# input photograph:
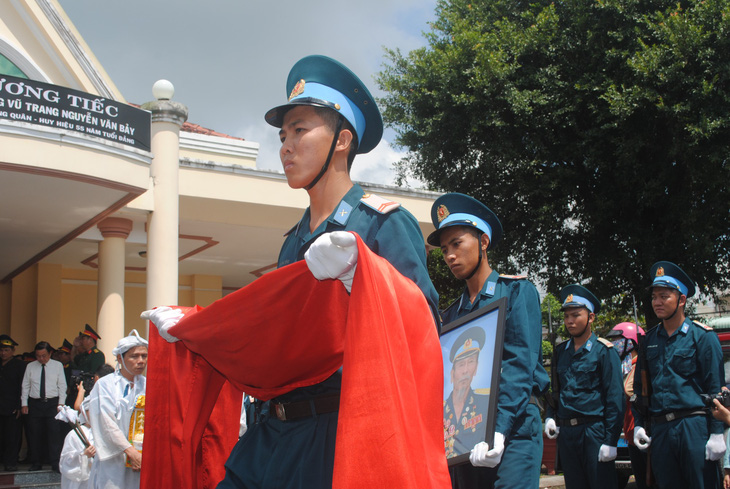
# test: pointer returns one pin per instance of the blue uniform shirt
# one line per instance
(522, 372)
(394, 235)
(591, 384)
(681, 368)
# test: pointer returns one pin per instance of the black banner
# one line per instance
(39, 103)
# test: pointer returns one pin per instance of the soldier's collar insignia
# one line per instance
(660, 272)
(297, 90)
(442, 212)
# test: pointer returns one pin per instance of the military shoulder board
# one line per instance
(379, 204)
(514, 277)
(703, 326)
(607, 343)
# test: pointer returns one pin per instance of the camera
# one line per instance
(723, 397)
(85, 378)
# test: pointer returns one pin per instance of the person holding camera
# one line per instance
(679, 362)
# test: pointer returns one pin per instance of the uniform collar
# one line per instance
(683, 329)
(487, 292)
(341, 214)
(587, 346)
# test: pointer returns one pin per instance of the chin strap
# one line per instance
(479, 261)
(585, 328)
(329, 156)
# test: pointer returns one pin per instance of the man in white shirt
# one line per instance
(110, 405)
(43, 391)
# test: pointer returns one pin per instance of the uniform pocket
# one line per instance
(683, 361)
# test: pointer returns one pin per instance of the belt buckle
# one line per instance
(280, 412)
(573, 421)
(670, 416)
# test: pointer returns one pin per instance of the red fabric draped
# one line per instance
(288, 330)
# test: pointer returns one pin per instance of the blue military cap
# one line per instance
(575, 295)
(468, 343)
(667, 274)
(320, 81)
(457, 209)
(6, 340)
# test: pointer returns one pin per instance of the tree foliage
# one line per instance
(598, 131)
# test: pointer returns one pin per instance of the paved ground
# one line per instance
(556, 482)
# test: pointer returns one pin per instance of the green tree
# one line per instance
(598, 131)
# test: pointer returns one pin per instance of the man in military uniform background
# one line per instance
(587, 410)
(680, 360)
(11, 380)
(90, 357)
(465, 230)
(465, 410)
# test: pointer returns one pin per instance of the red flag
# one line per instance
(289, 330)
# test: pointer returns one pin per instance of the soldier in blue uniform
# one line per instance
(329, 118)
(679, 360)
(587, 408)
(465, 230)
(465, 410)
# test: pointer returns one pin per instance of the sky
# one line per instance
(229, 59)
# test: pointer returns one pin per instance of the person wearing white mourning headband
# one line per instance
(110, 405)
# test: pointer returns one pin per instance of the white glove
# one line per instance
(482, 456)
(641, 439)
(715, 448)
(67, 414)
(606, 453)
(551, 429)
(333, 256)
(164, 318)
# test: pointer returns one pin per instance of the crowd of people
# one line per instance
(74, 409)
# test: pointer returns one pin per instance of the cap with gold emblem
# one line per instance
(66, 347)
(6, 340)
(667, 274)
(89, 331)
(457, 209)
(320, 81)
(468, 343)
(575, 295)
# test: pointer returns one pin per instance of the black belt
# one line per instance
(685, 413)
(47, 399)
(288, 411)
(578, 421)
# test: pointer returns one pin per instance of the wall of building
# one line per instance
(51, 302)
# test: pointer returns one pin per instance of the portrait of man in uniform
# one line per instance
(469, 364)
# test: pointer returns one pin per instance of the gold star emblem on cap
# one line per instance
(569, 298)
(442, 212)
(298, 89)
(660, 272)
(467, 343)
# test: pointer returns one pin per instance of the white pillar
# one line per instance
(163, 222)
(110, 297)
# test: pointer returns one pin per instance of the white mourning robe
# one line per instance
(75, 467)
(110, 412)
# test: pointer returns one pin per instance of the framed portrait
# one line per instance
(471, 347)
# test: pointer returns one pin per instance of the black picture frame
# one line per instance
(476, 421)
